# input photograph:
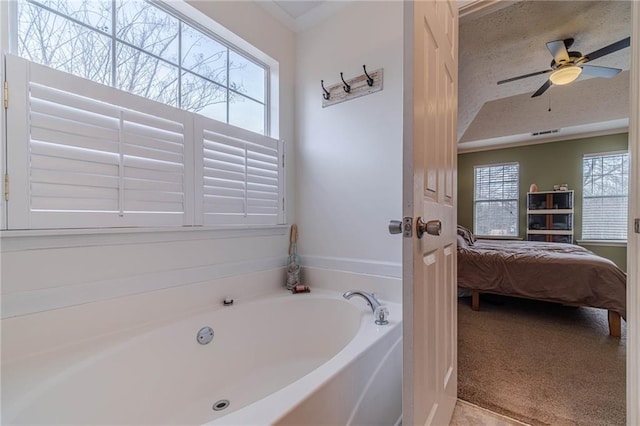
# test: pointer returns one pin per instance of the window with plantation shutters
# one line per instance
(605, 196)
(496, 200)
(85, 155)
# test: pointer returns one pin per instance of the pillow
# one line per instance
(462, 243)
(466, 234)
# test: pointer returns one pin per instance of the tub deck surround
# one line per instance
(268, 355)
(97, 321)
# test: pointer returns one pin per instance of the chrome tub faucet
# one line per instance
(380, 312)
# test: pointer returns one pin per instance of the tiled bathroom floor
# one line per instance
(466, 414)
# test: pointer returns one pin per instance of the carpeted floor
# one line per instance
(541, 363)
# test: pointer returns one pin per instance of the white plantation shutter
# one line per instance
(241, 174)
(84, 155)
(80, 156)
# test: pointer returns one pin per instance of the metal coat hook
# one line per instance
(369, 79)
(346, 87)
(326, 95)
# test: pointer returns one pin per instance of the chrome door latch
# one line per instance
(406, 227)
(636, 225)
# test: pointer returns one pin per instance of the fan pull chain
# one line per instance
(549, 103)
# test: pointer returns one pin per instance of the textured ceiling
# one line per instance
(512, 41)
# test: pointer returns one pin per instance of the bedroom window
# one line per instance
(605, 196)
(496, 200)
(123, 113)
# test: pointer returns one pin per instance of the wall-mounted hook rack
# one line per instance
(352, 88)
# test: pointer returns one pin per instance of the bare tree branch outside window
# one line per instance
(156, 55)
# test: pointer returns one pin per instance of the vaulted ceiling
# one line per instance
(512, 41)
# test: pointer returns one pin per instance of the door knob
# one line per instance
(432, 227)
(395, 227)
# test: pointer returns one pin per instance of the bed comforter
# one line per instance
(554, 272)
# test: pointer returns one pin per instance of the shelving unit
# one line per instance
(550, 216)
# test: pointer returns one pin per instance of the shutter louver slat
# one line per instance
(89, 156)
(53, 123)
(65, 113)
(151, 185)
(224, 192)
(153, 143)
(63, 98)
(73, 166)
(74, 191)
(215, 166)
(67, 179)
(154, 126)
(212, 175)
(221, 157)
(56, 138)
(63, 204)
(213, 147)
(153, 154)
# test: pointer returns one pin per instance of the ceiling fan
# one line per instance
(566, 66)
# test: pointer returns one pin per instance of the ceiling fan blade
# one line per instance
(542, 89)
(558, 49)
(600, 71)
(524, 76)
(613, 47)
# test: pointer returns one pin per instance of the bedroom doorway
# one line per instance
(479, 8)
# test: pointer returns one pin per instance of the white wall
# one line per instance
(40, 272)
(349, 155)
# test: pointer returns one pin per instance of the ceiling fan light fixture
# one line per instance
(565, 75)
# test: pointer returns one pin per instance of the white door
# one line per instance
(430, 187)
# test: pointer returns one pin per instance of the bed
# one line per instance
(552, 272)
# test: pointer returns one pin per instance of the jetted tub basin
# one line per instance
(277, 360)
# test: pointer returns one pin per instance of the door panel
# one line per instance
(429, 263)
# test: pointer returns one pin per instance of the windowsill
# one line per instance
(62, 238)
(497, 237)
(604, 243)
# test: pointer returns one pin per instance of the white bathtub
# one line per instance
(286, 359)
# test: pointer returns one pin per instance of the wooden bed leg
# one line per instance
(615, 328)
(475, 300)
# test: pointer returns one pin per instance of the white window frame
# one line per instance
(593, 238)
(476, 202)
(193, 206)
(195, 20)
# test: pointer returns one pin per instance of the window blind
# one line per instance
(605, 196)
(496, 199)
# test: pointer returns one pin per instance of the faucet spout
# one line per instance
(379, 312)
(368, 297)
